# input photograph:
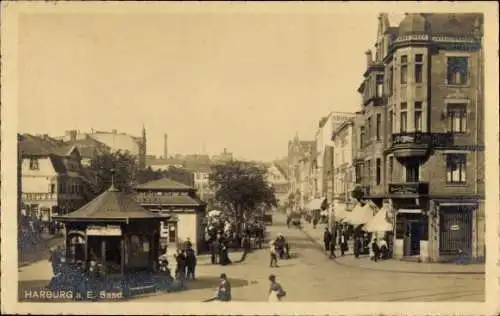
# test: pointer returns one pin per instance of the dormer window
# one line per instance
(34, 164)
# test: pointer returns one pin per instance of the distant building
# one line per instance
(53, 180)
(300, 155)
(323, 162)
(345, 150)
(97, 142)
(277, 176)
(223, 157)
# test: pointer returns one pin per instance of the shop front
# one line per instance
(459, 229)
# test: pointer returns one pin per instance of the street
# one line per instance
(308, 276)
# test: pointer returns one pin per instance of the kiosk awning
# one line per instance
(315, 204)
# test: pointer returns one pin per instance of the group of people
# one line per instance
(362, 244)
(219, 250)
(223, 292)
(279, 248)
(331, 238)
(186, 262)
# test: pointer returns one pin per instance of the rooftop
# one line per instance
(164, 184)
(112, 205)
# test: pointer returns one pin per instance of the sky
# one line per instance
(245, 82)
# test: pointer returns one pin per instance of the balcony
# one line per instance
(406, 145)
(409, 188)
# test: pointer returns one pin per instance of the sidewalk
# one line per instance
(39, 251)
(393, 265)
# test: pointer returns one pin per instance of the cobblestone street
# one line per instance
(310, 276)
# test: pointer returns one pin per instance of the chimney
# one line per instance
(165, 146)
(225, 150)
(369, 58)
(71, 135)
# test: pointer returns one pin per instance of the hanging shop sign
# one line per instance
(109, 230)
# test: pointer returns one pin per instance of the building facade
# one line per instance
(182, 209)
(323, 167)
(99, 141)
(277, 177)
(299, 153)
(52, 180)
(345, 175)
(422, 136)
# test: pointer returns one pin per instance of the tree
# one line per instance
(148, 174)
(358, 193)
(241, 187)
(124, 166)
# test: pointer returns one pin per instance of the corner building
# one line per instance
(422, 137)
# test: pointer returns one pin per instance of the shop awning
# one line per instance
(360, 214)
(315, 204)
(380, 222)
(340, 212)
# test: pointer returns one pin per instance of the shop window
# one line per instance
(172, 233)
(390, 123)
(404, 69)
(391, 168)
(419, 66)
(34, 164)
(379, 124)
(457, 118)
(391, 80)
(457, 70)
(456, 168)
(361, 137)
(380, 85)
(378, 171)
(424, 232)
(369, 129)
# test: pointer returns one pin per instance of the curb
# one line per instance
(392, 271)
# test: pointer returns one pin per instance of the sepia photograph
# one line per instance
(219, 155)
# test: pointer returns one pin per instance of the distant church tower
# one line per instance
(165, 146)
(142, 150)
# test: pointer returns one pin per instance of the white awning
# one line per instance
(410, 211)
(340, 212)
(380, 222)
(315, 204)
(360, 215)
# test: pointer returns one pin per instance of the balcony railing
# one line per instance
(409, 188)
(39, 196)
(422, 138)
(417, 138)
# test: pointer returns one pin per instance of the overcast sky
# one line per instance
(245, 82)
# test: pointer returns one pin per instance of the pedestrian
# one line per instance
(215, 250)
(327, 237)
(276, 292)
(180, 259)
(273, 255)
(55, 260)
(332, 247)
(190, 263)
(223, 292)
(358, 244)
(375, 249)
(342, 242)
